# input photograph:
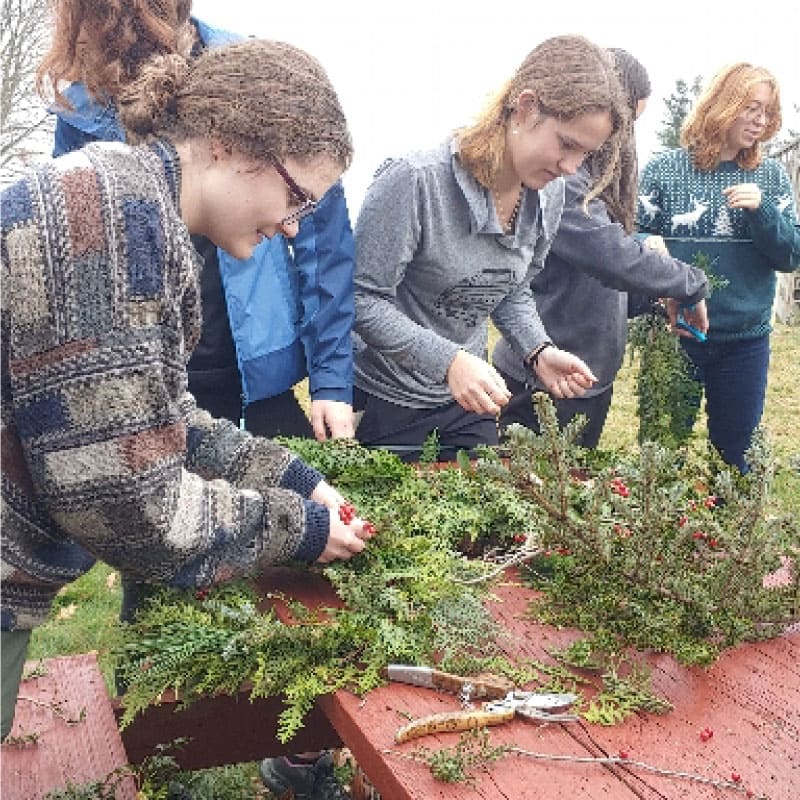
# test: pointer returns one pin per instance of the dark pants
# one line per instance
(734, 378)
(13, 649)
(219, 393)
(281, 415)
(520, 409)
(404, 430)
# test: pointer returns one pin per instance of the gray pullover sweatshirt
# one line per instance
(581, 292)
(432, 265)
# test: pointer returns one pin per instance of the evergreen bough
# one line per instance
(638, 552)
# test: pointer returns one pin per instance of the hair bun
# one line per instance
(151, 98)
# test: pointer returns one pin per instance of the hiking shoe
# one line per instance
(291, 781)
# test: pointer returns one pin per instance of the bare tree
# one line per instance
(24, 121)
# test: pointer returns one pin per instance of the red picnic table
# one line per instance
(749, 699)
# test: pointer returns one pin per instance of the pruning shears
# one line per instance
(504, 704)
(541, 706)
(684, 325)
(658, 308)
(490, 687)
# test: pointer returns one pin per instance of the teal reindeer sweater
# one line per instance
(686, 206)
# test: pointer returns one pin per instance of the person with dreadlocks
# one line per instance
(447, 239)
(105, 453)
(269, 320)
(717, 194)
(581, 293)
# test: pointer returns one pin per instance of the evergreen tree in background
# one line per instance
(678, 105)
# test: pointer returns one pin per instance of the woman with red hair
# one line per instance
(720, 196)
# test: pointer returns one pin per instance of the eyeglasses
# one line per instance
(307, 205)
(755, 112)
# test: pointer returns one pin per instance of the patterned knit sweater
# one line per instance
(104, 454)
(686, 206)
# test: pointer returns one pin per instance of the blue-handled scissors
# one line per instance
(684, 325)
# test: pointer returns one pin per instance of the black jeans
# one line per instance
(734, 377)
(404, 430)
(520, 409)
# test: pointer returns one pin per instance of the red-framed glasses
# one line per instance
(307, 205)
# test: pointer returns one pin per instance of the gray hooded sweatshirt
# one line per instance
(433, 265)
(581, 293)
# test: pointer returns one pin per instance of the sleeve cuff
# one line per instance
(301, 478)
(338, 395)
(317, 530)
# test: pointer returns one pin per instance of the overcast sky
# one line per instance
(409, 72)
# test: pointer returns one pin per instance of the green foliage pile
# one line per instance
(667, 392)
(641, 552)
(651, 553)
(668, 395)
(411, 595)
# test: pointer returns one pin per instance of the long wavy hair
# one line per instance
(261, 98)
(104, 43)
(570, 76)
(726, 97)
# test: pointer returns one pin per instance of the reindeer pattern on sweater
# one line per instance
(680, 200)
(746, 247)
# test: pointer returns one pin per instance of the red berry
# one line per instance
(683, 520)
(698, 535)
(624, 754)
(736, 777)
(346, 513)
(711, 501)
(713, 542)
(519, 538)
(369, 527)
(706, 734)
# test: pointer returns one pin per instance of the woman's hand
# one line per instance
(563, 374)
(696, 316)
(476, 385)
(325, 494)
(656, 242)
(332, 418)
(743, 195)
(348, 534)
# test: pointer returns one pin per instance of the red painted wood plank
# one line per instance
(750, 698)
(224, 729)
(82, 752)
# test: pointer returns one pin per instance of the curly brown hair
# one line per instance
(104, 43)
(263, 99)
(570, 76)
(726, 97)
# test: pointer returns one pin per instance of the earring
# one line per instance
(514, 131)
